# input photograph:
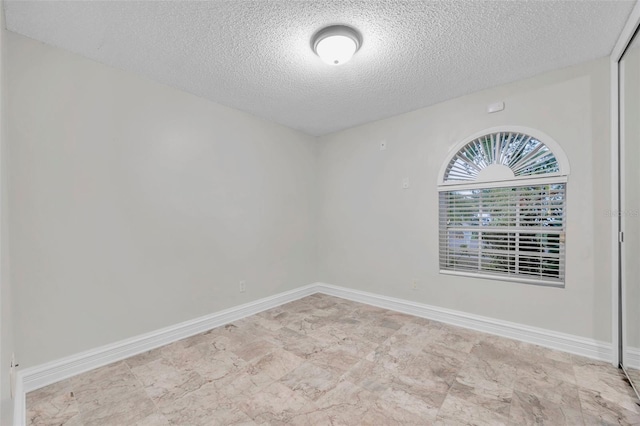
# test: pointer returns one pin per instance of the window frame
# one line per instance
(560, 177)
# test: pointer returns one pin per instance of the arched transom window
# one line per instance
(502, 207)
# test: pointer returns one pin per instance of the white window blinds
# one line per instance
(509, 231)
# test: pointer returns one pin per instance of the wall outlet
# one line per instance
(243, 286)
(383, 145)
(405, 183)
(414, 284)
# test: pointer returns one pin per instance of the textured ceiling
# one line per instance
(255, 55)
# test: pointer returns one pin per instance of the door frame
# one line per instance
(617, 185)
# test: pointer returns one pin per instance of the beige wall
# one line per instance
(375, 236)
(136, 206)
(6, 317)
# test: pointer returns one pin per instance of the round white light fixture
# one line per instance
(335, 45)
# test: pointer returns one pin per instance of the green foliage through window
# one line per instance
(509, 227)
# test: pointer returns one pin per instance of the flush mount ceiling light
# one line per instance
(336, 44)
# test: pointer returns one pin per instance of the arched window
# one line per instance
(502, 207)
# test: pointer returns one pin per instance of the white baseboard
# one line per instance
(39, 376)
(19, 404)
(589, 348)
(631, 357)
(42, 375)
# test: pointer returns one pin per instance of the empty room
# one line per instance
(275, 212)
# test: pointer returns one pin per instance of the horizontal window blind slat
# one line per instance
(504, 231)
(507, 230)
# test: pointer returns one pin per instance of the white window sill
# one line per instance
(515, 279)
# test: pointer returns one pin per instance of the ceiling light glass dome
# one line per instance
(336, 45)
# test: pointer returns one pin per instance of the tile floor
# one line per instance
(324, 360)
(634, 375)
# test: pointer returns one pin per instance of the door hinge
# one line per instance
(621, 237)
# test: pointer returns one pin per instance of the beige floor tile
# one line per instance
(345, 395)
(431, 392)
(383, 414)
(208, 361)
(275, 404)
(254, 349)
(369, 375)
(53, 406)
(607, 411)
(105, 387)
(607, 381)
(545, 368)
(539, 351)
(144, 358)
(245, 382)
(199, 407)
(302, 346)
(162, 381)
(431, 366)
(634, 375)
(457, 338)
(155, 419)
(489, 376)
(551, 389)
(276, 363)
(329, 417)
(419, 407)
(310, 380)
(129, 409)
(498, 402)
(497, 349)
(459, 411)
(48, 392)
(334, 359)
(400, 346)
(322, 360)
(345, 340)
(527, 409)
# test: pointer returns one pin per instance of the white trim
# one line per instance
(19, 404)
(558, 152)
(632, 24)
(622, 167)
(627, 33)
(509, 278)
(551, 339)
(511, 183)
(615, 205)
(632, 358)
(36, 377)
